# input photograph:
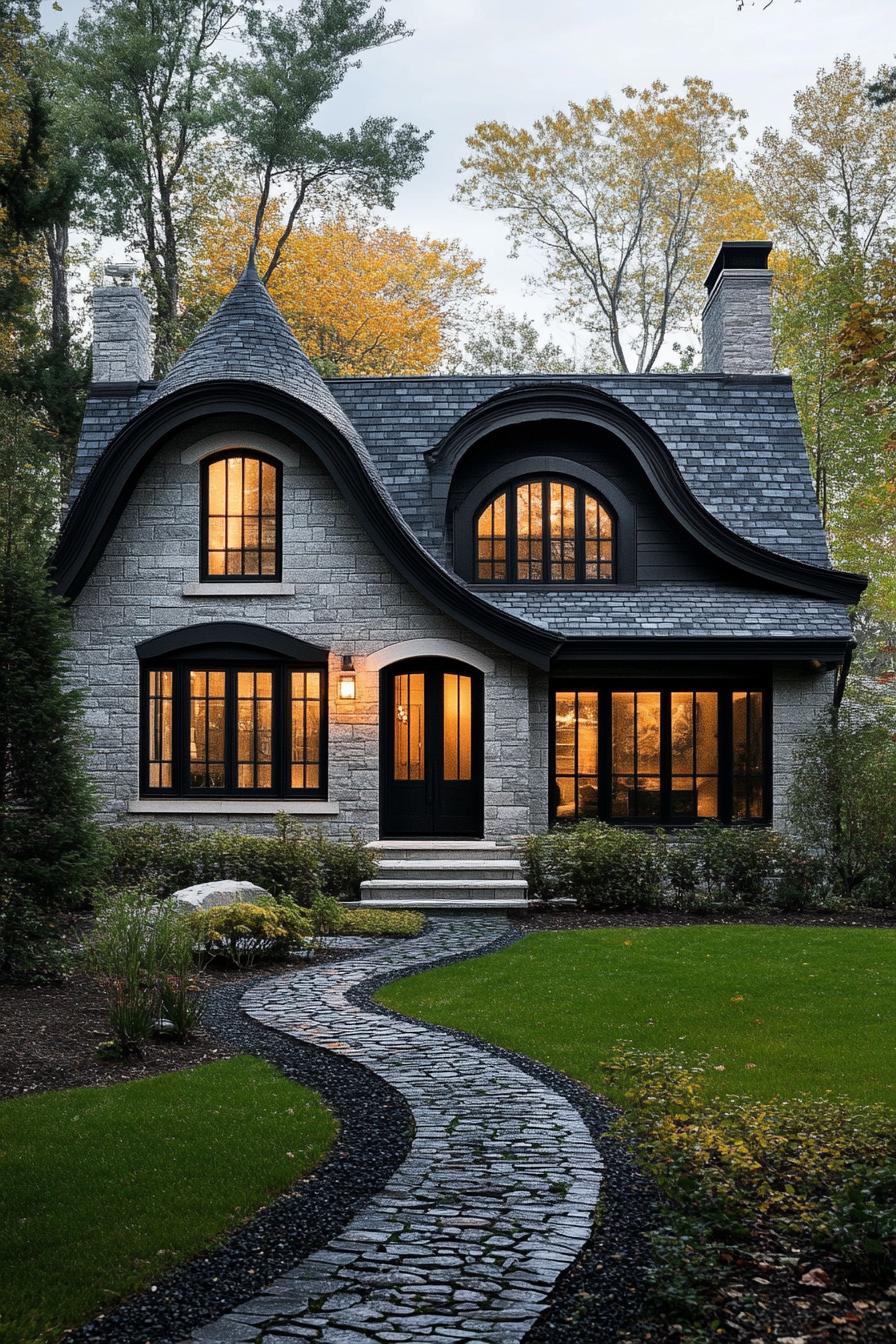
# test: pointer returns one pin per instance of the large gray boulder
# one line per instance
(226, 892)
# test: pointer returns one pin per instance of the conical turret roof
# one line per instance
(247, 339)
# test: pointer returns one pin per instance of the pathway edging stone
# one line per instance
(600, 1291)
(493, 1203)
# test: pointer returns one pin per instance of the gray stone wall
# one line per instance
(122, 345)
(346, 598)
(737, 324)
(798, 700)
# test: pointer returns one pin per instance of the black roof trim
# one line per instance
(707, 649)
(569, 401)
(99, 505)
(123, 389)
(738, 257)
(243, 634)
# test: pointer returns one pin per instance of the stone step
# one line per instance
(442, 851)
(441, 905)
(447, 889)
(441, 870)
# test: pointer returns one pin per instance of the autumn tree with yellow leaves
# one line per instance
(361, 297)
(625, 203)
(828, 187)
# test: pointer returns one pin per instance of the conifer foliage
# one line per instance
(48, 842)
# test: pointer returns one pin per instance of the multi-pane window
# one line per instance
(545, 531)
(575, 755)
(694, 744)
(159, 734)
(635, 726)
(305, 718)
(409, 726)
(233, 729)
(254, 730)
(659, 755)
(241, 517)
(491, 540)
(207, 730)
(457, 726)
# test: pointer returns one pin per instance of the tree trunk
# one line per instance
(56, 242)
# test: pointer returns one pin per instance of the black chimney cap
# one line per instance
(738, 257)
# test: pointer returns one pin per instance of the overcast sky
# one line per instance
(514, 60)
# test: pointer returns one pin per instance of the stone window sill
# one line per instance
(238, 589)
(264, 807)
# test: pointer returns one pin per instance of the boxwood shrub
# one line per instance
(293, 864)
(604, 867)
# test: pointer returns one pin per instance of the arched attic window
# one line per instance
(545, 530)
(241, 516)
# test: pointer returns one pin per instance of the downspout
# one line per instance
(842, 674)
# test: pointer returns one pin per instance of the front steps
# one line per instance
(433, 875)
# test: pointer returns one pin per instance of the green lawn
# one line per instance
(103, 1188)
(806, 1009)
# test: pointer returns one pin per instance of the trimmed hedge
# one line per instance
(294, 864)
(605, 867)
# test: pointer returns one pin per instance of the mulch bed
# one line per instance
(49, 1035)
(781, 1296)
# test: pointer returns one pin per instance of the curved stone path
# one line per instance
(493, 1202)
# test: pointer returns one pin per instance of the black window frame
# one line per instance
(205, 465)
(724, 687)
(545, 480)
(231, 663)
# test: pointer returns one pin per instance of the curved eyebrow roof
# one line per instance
(736, 441)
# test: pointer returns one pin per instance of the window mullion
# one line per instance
(579, 535)
(510, 545)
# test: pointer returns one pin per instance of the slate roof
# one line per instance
(736, 441)
(683, 610)
(248, 340)
(104, 415)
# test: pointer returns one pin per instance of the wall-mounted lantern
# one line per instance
(347, 678)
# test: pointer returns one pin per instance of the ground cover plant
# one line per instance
(761, 1186)
(104, 1188)
(724, 1046)
(381, 923)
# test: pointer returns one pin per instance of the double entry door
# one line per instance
(431, 765)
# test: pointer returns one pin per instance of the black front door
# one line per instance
(431, 767)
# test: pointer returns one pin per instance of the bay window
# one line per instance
(660, 755)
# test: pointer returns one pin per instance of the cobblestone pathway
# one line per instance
(493, 1202)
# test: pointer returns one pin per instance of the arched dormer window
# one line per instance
(545, 530)
(241, 516)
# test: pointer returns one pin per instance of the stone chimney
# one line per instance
(737, 318)
(121, 333)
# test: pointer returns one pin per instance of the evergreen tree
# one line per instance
(48, 841)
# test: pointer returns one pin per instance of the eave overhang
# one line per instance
(569, 401)
(574, 651)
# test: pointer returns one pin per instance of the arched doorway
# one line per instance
(431, 750)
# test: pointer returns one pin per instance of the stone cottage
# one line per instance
(446, 608)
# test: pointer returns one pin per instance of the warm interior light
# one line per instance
(347, 679)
